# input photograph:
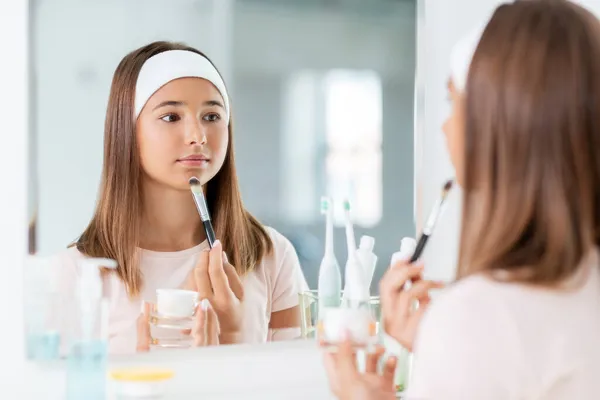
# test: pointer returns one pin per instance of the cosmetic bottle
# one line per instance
(88, 347)
(43, 309)
(367, 258)
(353, 272)
(391, 345)
(356, 290)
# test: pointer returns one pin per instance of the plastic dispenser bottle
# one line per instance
(87, 359)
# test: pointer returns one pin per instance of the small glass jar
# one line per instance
(140, 383)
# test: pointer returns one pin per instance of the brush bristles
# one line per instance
(195, 185)
(446, 189)
(448, 185)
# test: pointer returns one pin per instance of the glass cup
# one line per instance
(172, 317)
(330, 325)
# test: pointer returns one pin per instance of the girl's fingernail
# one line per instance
(225, 258)
(217, 243)
(204, 304)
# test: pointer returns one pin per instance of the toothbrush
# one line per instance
(350, 240)
(330, 277)
(328, 212)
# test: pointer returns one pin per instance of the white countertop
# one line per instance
(290, 370)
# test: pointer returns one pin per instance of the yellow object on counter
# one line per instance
(140, 383)
(141, 374)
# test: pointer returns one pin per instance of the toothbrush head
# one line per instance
(325, 205)
(346, 205)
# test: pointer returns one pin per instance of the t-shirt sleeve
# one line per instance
(466, 348)
(288, 279)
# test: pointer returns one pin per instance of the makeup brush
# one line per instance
(200, 201)
(431, 221)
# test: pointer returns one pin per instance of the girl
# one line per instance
(169, 119)
(523, 320)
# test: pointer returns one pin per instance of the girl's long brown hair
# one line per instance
(532, 143)
(114, 229)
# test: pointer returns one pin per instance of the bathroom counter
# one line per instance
(291, 370)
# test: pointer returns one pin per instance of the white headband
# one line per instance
(461, 57)
(167, 66)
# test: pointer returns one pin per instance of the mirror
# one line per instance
(321, 92)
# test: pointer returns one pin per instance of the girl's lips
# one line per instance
(194, 162)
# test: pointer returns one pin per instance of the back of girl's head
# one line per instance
(532, 133)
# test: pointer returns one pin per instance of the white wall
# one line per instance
(322, 39)
(275, 40)
(80, 44)
(258, 46)
(445, 23)
(13, 195)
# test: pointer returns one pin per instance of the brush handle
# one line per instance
(420, 247)
(210, 233)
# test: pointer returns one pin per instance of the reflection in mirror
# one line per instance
(316, 99)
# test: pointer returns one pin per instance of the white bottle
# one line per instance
(408, 246)
(93, 306)
(367, 258)
(392, 347)
(407, 249)
(356, 290)
(355, 280)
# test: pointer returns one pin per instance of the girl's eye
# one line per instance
(170, 118)
(212, 117)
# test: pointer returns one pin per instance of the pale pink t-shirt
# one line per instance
(272, 286)
(488, 340)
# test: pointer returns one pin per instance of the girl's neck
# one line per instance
(169, 219)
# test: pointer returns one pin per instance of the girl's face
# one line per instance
(182, 132)
(454, 130)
